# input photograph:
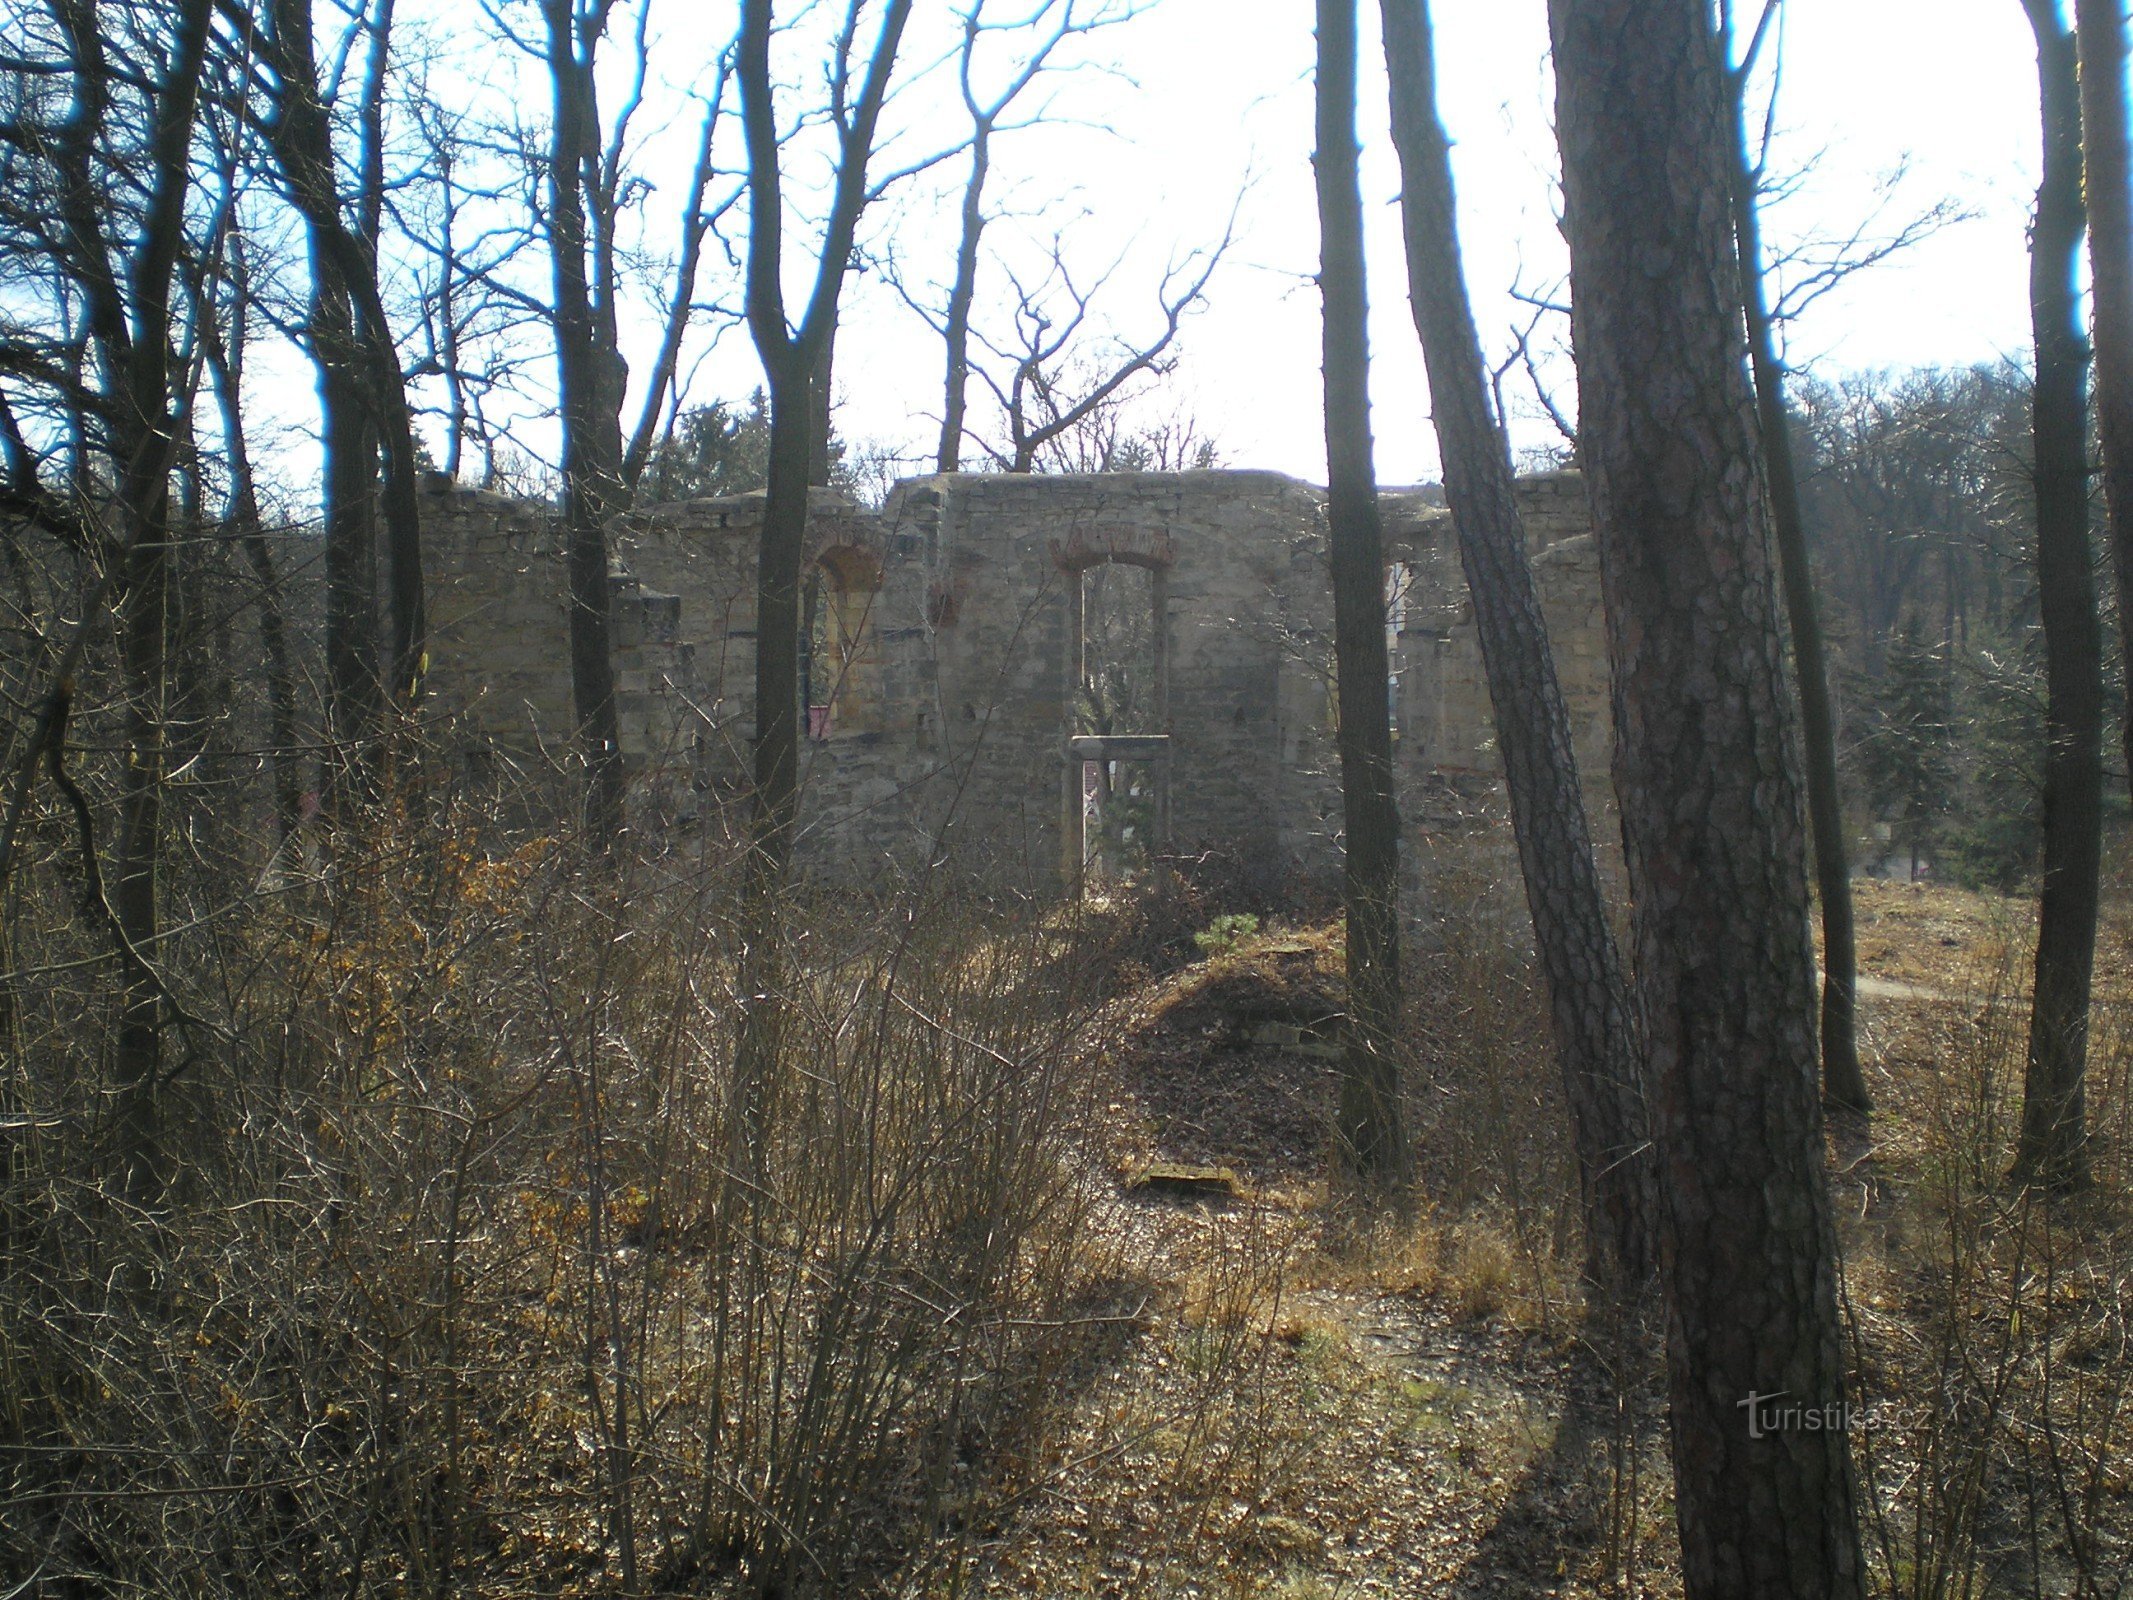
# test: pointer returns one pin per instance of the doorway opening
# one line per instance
(1115, 810)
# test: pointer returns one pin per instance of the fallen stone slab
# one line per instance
(1178, 1181)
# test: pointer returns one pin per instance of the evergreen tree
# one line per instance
(715, 449)
(1907, 757)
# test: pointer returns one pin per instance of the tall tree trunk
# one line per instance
(225, 364)
(362, 394)
(1596, 1034)
(2109, 186)
(2053, 1143)
(779, 555)
(303, 146)
(1842, 1081)
(385, 386)
(143, 434)
(1372, 1126)
(695, 226)
(1708, 783)
(793, 360)
(591, 388)
(353, 682)
(962, 295)
(796, 365)
(820, 403)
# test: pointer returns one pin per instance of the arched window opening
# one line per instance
(840, 652)
(1117, 650)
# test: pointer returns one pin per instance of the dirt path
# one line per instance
(1266, 1433)
(1871, 988)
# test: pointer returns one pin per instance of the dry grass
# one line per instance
(473, 1278)
(1442, 1415)
(466, 1287)
(1994, 1326)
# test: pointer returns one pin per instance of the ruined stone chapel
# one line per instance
(956, 703)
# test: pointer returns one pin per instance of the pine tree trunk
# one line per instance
(1596, 1035)
(1706, 775)
(2053, 1143)
(1842, 1081)
(2109, 186)
(1373, 1141)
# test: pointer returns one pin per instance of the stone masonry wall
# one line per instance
(947, 651)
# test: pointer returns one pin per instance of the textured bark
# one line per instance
(1597, 1040)
(588, 366)
(2052, 1149)
(1372, 1131)
(2108, 182)
(1709, 790)
(1842, 1081)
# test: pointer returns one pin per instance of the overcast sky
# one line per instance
(1221, 93)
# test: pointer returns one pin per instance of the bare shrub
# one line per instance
(1492, 1128)
(1993, 1324)
(463, 1280)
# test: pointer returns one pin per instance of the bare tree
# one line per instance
(1051, 383)
(793, 360)
(1595, 1022)
(700, 215)
(222, 291)
(2053, 1143)
(362, 390)
(2108, 183)
(1372, 1125)
(1050, 376)
(118, 169)
(791, 357)
(1842, 1080)
(301, 137)
(588, 190)
(1709, 793)
(467, 234)
(1050, 25)
(591, 375)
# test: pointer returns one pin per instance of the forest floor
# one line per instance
(1302, 1414)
